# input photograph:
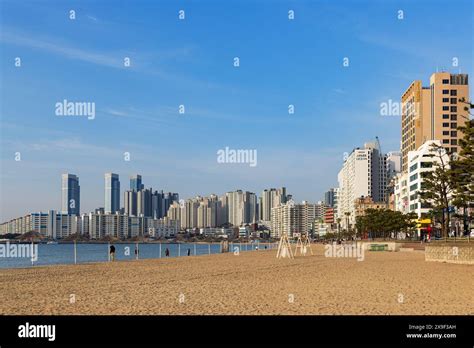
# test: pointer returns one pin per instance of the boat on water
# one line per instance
(52, 242)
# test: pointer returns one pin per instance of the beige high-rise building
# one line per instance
(434, 112)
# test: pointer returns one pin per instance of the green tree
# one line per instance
(462, 167)
(437, 186)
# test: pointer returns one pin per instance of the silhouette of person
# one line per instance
(112, 253)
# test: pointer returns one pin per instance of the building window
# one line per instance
(445, 108)
(445, 116)
(445, 141)
(413, 167)
(445, 100)
(454, 92)
(454, 101)
(445, 124)
(445, 132)
(426, 164)
(454, 125)
(445, 91)
(453, 149)
(414, 187)
(454, 109)
(454, 117)
(445, 81)
(414, 177)
(454, 141)
(453, 133)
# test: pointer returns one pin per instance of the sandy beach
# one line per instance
(250, 283)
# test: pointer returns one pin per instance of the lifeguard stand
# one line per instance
(284, 247)
(303, 245)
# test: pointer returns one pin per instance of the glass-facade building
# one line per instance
(71, 194)
(112, 193)
(136, 183)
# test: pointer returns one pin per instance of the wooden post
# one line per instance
(32, 252)
(160, 250)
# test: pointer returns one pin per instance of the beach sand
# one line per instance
(253, 282)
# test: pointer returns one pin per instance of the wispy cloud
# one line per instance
(92, 18)
(63, 50)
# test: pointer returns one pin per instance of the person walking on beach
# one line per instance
(112, 253)
(189, 252)
(167, 252)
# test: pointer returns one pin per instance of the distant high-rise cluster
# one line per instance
(139, 201)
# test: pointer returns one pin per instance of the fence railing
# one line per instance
(76, 253)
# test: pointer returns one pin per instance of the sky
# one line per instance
(190, 62)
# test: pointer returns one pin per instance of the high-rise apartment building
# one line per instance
(434, 113)
(329, 198)
(71, 194)
(270, 199)
(136, 182)
(144, 202)
(408, 185)
(363, 174)
(112, 193)
(241, 207)
(293, 218)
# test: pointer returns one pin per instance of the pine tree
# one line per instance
(462, 168)
(437, 187)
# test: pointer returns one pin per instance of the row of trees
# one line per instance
(451, 183)
(382, 223)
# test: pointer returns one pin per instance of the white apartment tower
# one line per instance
(363, 174)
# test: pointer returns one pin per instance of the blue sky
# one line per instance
(190, 62)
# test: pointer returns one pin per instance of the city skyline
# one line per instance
(137, 108)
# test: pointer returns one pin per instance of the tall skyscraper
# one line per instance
(130, 202)
(144, 203)
(363, 174)
(394, 164)
(112, 193)
(270, 199)
(329, 198)
(136, 182)
(241, 207)
(71, 194)
(433, 113)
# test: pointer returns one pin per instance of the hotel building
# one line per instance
(433, 113)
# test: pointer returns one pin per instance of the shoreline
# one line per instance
(257, 283)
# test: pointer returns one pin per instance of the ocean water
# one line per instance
(54, 254)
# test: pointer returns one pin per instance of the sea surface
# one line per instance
(54, 254)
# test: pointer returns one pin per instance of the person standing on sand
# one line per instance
(167, 252)
(112, 253)
(189, 252)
